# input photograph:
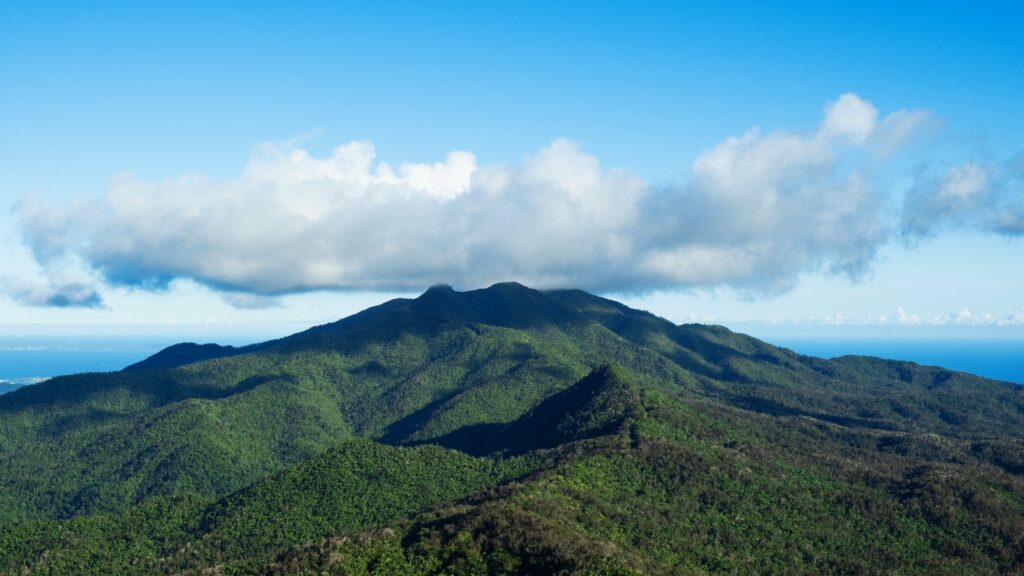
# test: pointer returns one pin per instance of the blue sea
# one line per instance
(27, 360)
(996, 358)
(32, 359)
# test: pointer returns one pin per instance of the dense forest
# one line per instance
(512, 431)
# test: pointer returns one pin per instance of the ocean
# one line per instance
(27, 360)
(996, 358)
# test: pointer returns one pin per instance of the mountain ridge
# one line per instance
(600, 433)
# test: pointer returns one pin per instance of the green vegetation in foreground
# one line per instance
(510, 431)
(357, 485)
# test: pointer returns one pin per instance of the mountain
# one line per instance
(512, 431)
(185, 353)
(602, 403)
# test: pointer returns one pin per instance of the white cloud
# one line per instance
(60, 291)
(900, 128)
(849, 117)
(855, 120)
(963, 183)
(311, 185)
(759, 210)
(988, 197)
(294, 223)
(902, 318)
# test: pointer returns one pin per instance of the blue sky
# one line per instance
(148, 152)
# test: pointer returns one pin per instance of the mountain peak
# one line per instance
(507, 304)
(602, 403)
(440, 288)
(509, 286)
(184, 353)
(599, 404)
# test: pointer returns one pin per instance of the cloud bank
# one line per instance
(758, 210)
(962, 317)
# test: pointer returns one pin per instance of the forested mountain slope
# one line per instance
(512, 431)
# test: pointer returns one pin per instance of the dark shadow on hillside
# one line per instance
(399, 431)
(215, 393)
(772, 408)
(475, 439)
(602, 403)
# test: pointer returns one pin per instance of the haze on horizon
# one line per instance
(226, 168)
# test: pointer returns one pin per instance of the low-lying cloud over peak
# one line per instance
(758, 210)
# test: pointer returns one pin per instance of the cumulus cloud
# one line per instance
(759, 210)
(58, 291)
(987, 197)
(902, 318)
(849, 117)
